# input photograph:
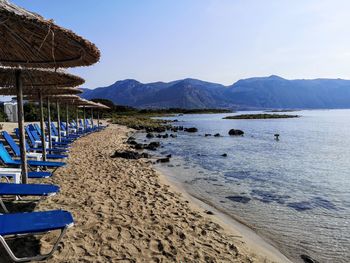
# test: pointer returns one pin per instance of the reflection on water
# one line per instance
(295, 191)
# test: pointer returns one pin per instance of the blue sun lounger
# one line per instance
(20, 190)
(31, 224)
(16, 150)
(7, 159)
(71, 136)
(39, 149)
(33, 132)
(39, 174)
(36, 139)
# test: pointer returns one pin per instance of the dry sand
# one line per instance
(124, 213)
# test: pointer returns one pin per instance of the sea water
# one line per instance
(294, 191)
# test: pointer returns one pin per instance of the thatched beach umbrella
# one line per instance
(29, 40)
(32, 79)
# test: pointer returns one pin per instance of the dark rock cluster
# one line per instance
(130, 155)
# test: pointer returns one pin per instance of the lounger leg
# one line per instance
(3, 206)
(36, 258)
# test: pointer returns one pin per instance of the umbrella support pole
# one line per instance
(92, 118)
(77, 117)
(49, 122)
(58, 121)
(98, 119)
(67, 120)
(43, 136)
(84, 115)
(19, 88)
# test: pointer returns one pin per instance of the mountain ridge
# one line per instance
(272, 92)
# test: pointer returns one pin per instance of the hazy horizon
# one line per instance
(216, 41)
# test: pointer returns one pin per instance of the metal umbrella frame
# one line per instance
(22, 81)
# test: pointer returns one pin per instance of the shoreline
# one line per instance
(238, 228)
(255, 242)
(125, 211)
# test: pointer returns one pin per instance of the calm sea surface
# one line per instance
(295, 191)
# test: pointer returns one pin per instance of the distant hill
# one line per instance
(253, 93)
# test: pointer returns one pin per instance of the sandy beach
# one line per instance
(125, 211)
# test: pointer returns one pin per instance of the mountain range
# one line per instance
(271, 92)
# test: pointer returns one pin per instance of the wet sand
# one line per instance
(125, 212)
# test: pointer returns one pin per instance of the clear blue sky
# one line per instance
(215, 40)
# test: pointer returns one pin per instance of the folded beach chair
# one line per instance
(32, 224)
(7, 160)
(16, 150)
(21, 190)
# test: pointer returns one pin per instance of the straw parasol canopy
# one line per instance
(102, 106)
(27, 39)
(87, 104)
(53, 94)
(35, 79)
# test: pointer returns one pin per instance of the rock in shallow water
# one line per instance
(239, 199)
(152, 146)
(163, 160)
(308, 259)
(150, 135)
(234, 132)
(193, 129)
(300, 206)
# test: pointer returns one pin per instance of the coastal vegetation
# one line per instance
(283, 110)
(139, 122)
(142, 119)
(259, 116)
(127, 110)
